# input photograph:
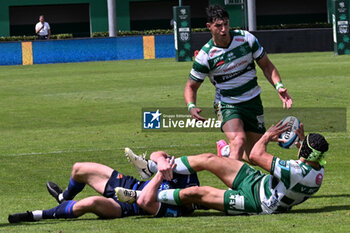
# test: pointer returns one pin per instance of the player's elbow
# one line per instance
(191, 86)
(143, 202)
(258, 157)
(254, 156)
(148, 205)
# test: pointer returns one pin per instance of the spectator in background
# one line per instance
(42, 29)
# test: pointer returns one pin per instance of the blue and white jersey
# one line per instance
(120, 180)
(179, 181)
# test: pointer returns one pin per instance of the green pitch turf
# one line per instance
(52, 116)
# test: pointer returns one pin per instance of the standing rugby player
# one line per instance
(228, 60)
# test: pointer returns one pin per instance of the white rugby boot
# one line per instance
(125, 195)
(140, 162)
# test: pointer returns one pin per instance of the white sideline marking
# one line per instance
(98, 150)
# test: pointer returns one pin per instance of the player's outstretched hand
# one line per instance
(274, 132)
(301, 135)
(195, 114)
(166, 168)
(285, 97)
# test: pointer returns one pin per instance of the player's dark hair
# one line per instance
(316, 141)
(215, 12)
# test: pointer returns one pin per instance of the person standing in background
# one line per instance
(42, 29)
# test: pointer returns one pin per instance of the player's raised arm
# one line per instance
(272, 75)
(147, 200)
(259, 154)
(190, 95)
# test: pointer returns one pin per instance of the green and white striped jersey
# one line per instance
(232, 69)
(291, 182)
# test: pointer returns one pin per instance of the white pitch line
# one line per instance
(97, 150)
(120, 148)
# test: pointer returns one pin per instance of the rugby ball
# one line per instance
(289, 136)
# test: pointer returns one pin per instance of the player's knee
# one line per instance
(87, 205)
(238, 141)
(208, 156)
(78, 170)
(97, 205)
(91, 202)
(202, 161)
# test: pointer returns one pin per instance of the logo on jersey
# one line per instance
(220, 63)
(212, 53)
(319, 179)
(236, 202)
(170, 213)
(164, 197)
(261, 122)
(239, 39)
(164, 186)
(219, 60)
(282, 163)
(152, 120)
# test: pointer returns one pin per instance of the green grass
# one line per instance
(54, 115)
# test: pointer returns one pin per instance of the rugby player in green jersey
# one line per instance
(228, 60)
(289, 183)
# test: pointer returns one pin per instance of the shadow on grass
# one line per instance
(196, 214)
(322, 209)
(207, 214)
(199, 213)
(46, 222)
(58, 221)
(346, 195)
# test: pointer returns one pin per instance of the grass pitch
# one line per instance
(55, 115)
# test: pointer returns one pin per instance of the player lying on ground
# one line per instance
(105, 180)
(147, 198)
(290, 182)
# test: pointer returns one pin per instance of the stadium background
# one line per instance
(82, 17)
(53, 115)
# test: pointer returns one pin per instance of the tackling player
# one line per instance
(228, 60)
(147, 197)
(290, 182)
(105, 180)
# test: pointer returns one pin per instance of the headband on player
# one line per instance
(316, 155)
